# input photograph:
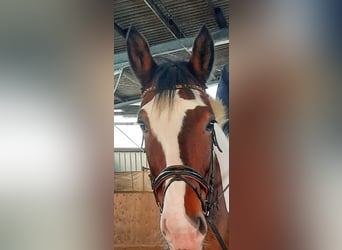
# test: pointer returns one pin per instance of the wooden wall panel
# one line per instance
(138, 183)
(136, 222)
(122, 182)
(132, 182)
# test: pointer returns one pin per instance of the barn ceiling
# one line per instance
(170, 27)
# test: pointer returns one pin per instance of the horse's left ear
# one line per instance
(202, 57)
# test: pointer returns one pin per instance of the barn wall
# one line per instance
(136, 222)
(129, 159)
(137, 181)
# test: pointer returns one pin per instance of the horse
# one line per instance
(185, 146)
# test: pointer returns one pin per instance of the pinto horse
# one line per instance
(186, 148)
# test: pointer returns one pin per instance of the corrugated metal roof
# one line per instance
(137, 13)
(189, 16)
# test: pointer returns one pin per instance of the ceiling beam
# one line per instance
(165, 17)
(120, 30)
(220, 19)
(127, 103)
(117, 80)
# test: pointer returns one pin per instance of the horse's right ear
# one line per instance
(140, 57)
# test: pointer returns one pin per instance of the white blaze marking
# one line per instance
(166, 126)
(174, 206)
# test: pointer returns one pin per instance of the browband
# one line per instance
(177, 86)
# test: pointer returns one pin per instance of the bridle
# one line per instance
(173, 173)
(187, 174)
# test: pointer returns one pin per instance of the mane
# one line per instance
(167, 76)
(219, 110)
(220, 114)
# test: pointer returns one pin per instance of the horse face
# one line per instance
(177, 132)
(179, 136)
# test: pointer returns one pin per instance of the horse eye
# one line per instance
(210, 126)
(143, 126)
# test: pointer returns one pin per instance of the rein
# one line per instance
(188, 174)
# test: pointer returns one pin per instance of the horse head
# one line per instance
(178, 123)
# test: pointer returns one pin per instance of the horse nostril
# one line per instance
(201, 224)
